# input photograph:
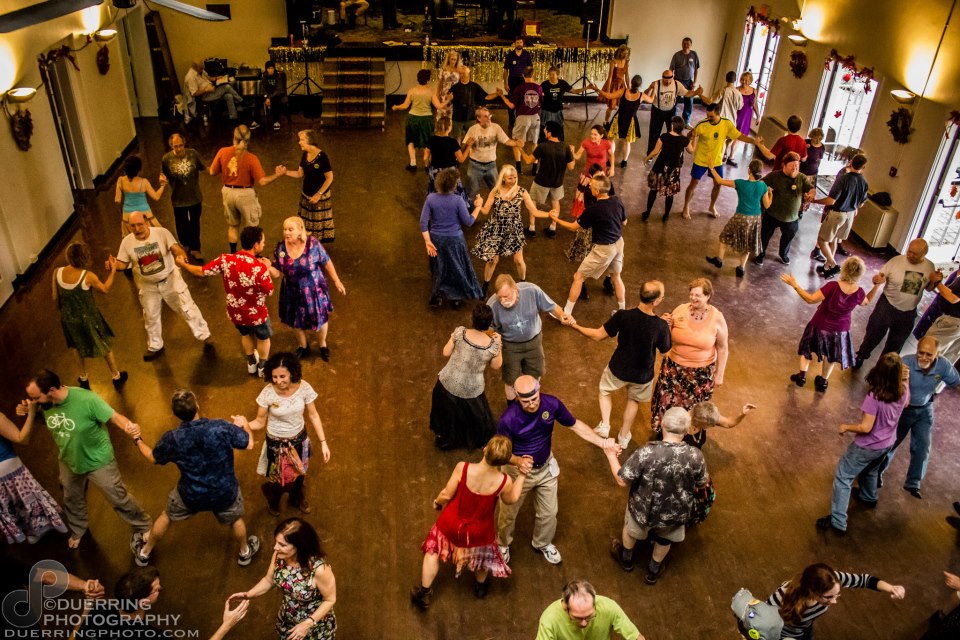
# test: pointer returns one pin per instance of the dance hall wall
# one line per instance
(35, 195)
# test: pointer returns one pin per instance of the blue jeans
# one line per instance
(854, 460)
(686, 102)
(226, 93)
(917, 422)
(477, 172)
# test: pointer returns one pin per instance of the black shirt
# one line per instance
(553, 158)
(639, 337)
(553, 94)
(671, 152)
(849, 191)
(313, 172)
(952, 309)
(466, 98)
(443, 150)
(606, 218)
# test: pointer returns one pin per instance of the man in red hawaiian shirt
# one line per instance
(246, 283)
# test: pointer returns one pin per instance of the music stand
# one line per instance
(307, 80)
(583, 80)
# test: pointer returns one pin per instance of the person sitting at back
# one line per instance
(198, 85)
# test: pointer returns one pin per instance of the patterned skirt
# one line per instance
(742, 234)
(473, 558)
(665, 184)
(679, 386)
(501, 235)
(832, 346)
(581, 246)
(452, 271)
(318, 217)
(27, 511)
(419, 129)
(460, 422)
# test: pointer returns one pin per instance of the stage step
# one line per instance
(354, 92)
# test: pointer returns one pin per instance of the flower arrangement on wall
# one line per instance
(900, 125)
(798, 63)
(953, 119)
(754, 17)
(21, 126)
(103, 60)
(854, 72)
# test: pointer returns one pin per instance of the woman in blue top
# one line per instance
(741, 234)
(132, 191)
(442, 220)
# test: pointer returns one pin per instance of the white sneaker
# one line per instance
(624, 441)
(254, 125)
(276, 126)
(251, 367)
(505, 552)
(602, 430)
(551, 554)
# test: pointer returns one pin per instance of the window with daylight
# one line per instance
(937, 221)
(841, 110)
(758, 51)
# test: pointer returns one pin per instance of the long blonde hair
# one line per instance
(458, 63)
(507, 169)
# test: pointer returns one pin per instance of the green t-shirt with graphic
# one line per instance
(78, 426)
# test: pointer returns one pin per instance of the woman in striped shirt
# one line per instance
(811, 593)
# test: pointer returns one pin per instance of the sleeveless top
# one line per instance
(75, 300)
(463, 374)
(135, 200)
(694, 344)
(665, 100)
(6, 450)
(468, 519)
(421, 104)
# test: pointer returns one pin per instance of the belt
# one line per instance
(482, 162)
(523, 341)
(236, 186)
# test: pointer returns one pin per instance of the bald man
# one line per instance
(153, 252)
(927, 370)
(581, 613)
(904, 280)
(529, 424)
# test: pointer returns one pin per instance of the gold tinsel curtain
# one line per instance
(486, 62)
(293, 61)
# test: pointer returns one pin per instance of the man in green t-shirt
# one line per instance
(707, 141)
(580, 614)
(77, 420)
(790, 190)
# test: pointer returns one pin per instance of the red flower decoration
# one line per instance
(847, 77)
(953, 191)
(837, 114)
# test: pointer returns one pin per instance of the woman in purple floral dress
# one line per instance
(304, 294)
(299, 569)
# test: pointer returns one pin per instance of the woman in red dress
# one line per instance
(616, 78)
(466, 533)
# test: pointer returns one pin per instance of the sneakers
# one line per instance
(152, 355)
(276, 126)
(136, 546)
(785, 259)
(84, 383)
(119, 381)
(420, 597)
(260, 368)
(253, 545)
(505, 552)
(551, 554)
(252, 366)
(624, 442)
(654, 574)
(616, 551)
(602, 430)
(254, 125)
(820, 383)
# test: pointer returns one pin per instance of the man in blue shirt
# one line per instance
(928, 370)
(203, 451)
(529, 424)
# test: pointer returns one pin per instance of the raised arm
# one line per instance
(730, 423)
(10, 431)
(870, 294)
(514, 487)
(809, 298)
(156, 194)
(231, 617)
(260, 421)
(720, 180)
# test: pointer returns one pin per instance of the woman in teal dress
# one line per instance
(299, 569)
(84, 328)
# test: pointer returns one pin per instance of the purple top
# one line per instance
(527, 98)
(745, 115)
(532, 433)
(887, 414)
(834, 312)
(444, 214)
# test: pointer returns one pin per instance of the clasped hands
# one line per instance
(526, 464)
(610, 446)
(26, 407)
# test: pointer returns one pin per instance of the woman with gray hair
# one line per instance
(316, 202)
(827, 335)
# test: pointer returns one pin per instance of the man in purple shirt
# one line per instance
(514, 64)
(529, 424)
(526, 100)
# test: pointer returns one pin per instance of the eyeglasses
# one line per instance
(584, 618)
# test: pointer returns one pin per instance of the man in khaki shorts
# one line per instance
(640, 334)
(606, 218)
(663, 478)
(847, 195)
(240, 170)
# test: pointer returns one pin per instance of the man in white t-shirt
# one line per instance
(152, 252)
(481, 142)
(904, 279)
(199, 86)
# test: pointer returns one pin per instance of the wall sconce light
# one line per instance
(105, 35)
(20, 95)
(903, 96)
(797, 39)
